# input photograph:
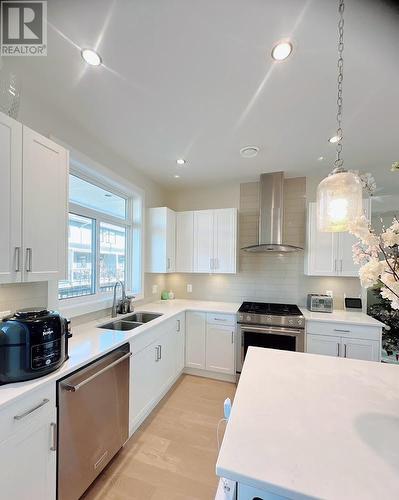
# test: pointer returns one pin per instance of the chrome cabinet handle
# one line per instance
(211, 263)
(28, 412)
(157, 353)
(160, 352)
(28, 262)
(17, 259)
(74, 388)
(338, 353)
(342, 331)
(335, 265)
(232, 337)
(345, 350)
(168, 263)
(341, 266)
(53, 427)
(178, 325)
(220, 319)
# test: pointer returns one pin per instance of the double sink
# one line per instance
(130, 322)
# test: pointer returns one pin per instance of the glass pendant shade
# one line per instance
(339, 200)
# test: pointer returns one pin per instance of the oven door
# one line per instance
(271, 337)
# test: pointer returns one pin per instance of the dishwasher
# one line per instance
(93, 420)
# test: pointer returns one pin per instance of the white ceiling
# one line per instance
(195, 79)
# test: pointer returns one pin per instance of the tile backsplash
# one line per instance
(21, 295)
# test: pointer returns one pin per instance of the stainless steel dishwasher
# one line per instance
(93, 420)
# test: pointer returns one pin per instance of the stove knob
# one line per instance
(248, 318)
(300, 321)
(268, 318)
(290, 322)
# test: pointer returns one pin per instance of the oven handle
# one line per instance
(292, 332)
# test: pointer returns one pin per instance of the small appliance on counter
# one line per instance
(33, 343)
(353, 304)
(320, 303)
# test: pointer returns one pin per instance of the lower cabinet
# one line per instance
(347, 344)
(210, 342)
(28, 453)
(154, 368)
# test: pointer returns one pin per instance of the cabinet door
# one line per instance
(322, 248)
(27, 464)
(323, 344)
(220, 349)
(195, 339)
(184, 242)
(369, 350)
(346, 241)
(180, 343)
(225, 240)
(203, 241)
(170, 241)
(142, 383)
(45, 207)
(10, 199)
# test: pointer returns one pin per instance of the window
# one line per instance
(104, 240)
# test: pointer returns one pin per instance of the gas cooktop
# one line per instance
(287, 315)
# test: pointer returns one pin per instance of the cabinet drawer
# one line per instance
(343, 330)
(221, 319)
(24, 412)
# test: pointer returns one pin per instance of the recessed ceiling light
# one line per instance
(334, 139)
(249, 151)
(281, 51)
(176, 176)
(91, 57)
(320, 158)
(180, 161)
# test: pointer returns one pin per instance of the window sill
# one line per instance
(79, 308)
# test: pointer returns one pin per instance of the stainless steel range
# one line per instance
(275, 326)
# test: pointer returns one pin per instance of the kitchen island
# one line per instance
(310, 426)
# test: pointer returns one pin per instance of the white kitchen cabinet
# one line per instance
(225, 240)
(220, 349)
(28, 455)
(215, 241)
(195, 339)
(203, 241)
(10, 199)
(329, 254)
(180, 335)
(324, 344)
(184, 242)
(368, 350)
(33, 205)
(161, 240)
(45, 208)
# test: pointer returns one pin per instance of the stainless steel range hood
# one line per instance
(271, 198)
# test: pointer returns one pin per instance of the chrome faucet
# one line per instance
(116, 305)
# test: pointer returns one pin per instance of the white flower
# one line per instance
(395, 166)
(390, 238)
(360, 227)
(391, 296)
(371, 272)
(395, 225)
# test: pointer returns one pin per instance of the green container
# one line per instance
(165, 295)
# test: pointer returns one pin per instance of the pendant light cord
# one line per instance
(339, 162)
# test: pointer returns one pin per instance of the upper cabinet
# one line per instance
(206, 241)
(329, 254)
(33, 205)
(161, 240)
(215, 241)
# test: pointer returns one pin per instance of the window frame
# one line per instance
(90, 171)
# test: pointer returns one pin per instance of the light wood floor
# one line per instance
(173, 454)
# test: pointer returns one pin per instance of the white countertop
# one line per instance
(309, 426)
(89, 342)
(342, 316)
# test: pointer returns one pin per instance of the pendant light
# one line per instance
(339, 196)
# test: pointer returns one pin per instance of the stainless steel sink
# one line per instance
(130, 322)
(120, 325)
(142, 317)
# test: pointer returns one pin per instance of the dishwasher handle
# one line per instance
(74, 388)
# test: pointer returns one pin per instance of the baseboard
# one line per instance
(225, 377)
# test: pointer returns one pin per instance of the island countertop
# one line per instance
(309, 426)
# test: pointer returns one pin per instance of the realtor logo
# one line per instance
(23, 28)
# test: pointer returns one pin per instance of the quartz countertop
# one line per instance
(89, 342)
(310, 426)
(342, 316)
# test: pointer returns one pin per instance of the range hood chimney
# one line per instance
(271, 198)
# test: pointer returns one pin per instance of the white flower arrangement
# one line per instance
(395, 166)
(378, 254)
